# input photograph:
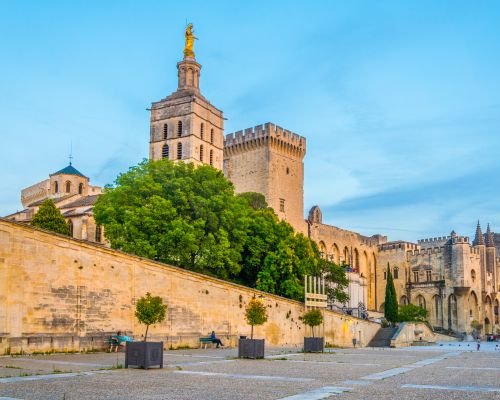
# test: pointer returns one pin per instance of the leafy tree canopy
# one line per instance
(312, 318)
(150, 310)
(190, 217)
(50, 218)
(411, 312)
(255, 313)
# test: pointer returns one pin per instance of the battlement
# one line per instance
(460, 240)
(426, 251)
(436, 239)
(398, 246)
(268, 131)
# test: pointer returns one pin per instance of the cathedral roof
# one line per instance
(83, 201)
(489, 238)
(69, 170)
(479, 239)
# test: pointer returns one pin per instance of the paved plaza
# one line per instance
(455, 371)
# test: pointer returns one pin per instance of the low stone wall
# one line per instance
(409, 333)
(58, 293)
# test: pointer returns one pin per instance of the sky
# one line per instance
(399, 100)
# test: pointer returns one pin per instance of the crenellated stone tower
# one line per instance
(185, 125)
(269, 159)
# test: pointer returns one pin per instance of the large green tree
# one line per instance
(50, 218)
(190, 217)
(177, 214)
(391, 301)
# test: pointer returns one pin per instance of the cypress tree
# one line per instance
(391, 302)
(50, 218)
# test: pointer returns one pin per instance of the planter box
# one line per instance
(144, 354)
(251, 348)
(314, 344)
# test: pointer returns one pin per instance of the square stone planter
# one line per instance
(314, 344)
(251, 348)
(144, 354)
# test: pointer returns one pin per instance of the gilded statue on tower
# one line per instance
(190, 38)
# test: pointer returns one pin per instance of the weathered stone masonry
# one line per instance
(64, 294)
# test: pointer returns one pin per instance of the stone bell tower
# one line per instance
(185, 126)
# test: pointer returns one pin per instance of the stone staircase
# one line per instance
(383, 337)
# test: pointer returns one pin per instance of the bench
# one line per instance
(113, 343)
(205, 341)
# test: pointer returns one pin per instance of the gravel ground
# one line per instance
(438, 372)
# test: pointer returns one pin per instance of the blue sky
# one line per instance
(399, 100)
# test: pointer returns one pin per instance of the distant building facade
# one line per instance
(73, 196)
(455, 280)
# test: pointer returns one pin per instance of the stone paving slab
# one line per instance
(435, 373)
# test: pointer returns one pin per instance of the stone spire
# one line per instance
(479, 239)
(489, 237)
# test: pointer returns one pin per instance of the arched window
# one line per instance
(56, 187)
(473, 275)
(98, 233)
(211, 157)
(164, 151)
(403, 300)
(421, 301)
(80, 188)
(201, 153)
(396, 272)
(165, 131)
(212, 135)
(70, 226)
(179, 151)
(68, 186)
(179, 128)
(201, 131)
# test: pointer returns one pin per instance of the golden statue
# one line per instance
(190, 38)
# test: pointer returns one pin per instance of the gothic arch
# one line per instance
(436, 315)
(356, 260)
(335, 253)
(363, 269)
(420, 301)
(403, 300)
(488, 314)
(473, 307)
(322, 249)
(346, 255)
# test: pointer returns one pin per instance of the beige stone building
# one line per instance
(73, 196)
(457, 281)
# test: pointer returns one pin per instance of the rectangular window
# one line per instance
(428, 275)
(415, 276)
(282, 205)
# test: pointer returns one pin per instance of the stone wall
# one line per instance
(410, 332)
(65, 294)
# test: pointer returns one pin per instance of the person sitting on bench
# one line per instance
(216, 340)
(122, 339)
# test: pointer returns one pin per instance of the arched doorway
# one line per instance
(488, 315)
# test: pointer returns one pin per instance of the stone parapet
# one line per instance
(268, 133)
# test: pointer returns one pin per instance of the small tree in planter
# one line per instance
(313, 318)
(149, 310)
(255, 314)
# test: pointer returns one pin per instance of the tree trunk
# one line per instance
(146, 335)
(251, 333)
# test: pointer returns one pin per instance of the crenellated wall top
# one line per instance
(267, 130)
